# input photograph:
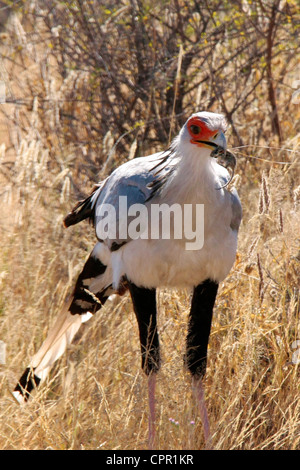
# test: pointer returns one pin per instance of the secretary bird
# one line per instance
(185, 174)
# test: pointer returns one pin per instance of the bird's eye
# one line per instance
(195, 129)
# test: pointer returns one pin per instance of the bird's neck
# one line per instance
(194, 179)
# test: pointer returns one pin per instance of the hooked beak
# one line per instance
(219, 140)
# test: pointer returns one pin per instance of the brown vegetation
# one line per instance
(89, 85)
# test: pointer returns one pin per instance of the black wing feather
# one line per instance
(82, 210)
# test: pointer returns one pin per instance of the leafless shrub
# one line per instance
(114, 67)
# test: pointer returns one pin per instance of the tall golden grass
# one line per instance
(96, 395)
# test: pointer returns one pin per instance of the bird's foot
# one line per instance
(198, 391)
(151, 397)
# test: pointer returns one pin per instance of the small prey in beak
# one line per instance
(226, 159)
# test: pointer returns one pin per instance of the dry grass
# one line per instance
(96, 396)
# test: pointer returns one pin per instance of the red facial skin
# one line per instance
(205, 133)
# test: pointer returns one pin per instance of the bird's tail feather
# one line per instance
(59, 338)
(91, 291)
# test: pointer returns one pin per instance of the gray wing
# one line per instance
(224, 177)
(128, 185)
(236, 209)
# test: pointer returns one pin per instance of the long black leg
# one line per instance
(197, 341)
(144, 304)
(199, 327)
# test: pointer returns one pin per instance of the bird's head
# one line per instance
(204, 131)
